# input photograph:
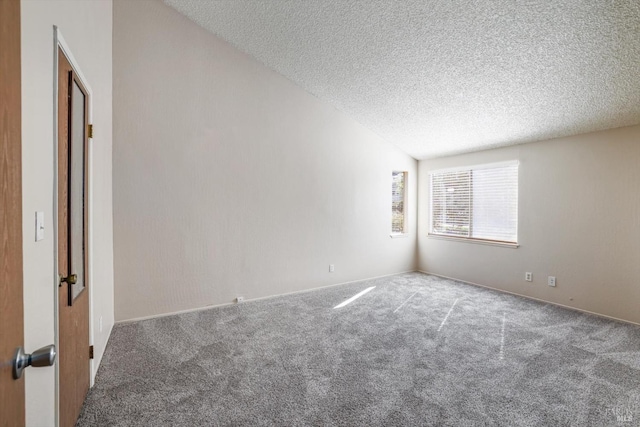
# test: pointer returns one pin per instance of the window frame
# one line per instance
(477, 240)
(405, 225)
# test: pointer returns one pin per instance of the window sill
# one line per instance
(398, 235)
(476, 241)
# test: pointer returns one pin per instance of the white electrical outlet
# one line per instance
(528, 277)
(552, 280)
(239, 299)
(331, 268)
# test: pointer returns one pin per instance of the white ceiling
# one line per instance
(450, 76)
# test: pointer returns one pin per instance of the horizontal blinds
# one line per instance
(398, 202)
(478, 202)
(495, 203)
(451, 203)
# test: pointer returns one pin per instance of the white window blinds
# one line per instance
(477, 202)
(398, 195)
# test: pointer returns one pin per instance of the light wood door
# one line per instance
(73, 292)
(11, 309)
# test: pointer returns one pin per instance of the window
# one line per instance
(477, 202)
(398, 202)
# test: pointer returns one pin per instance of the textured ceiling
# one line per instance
(450, 76)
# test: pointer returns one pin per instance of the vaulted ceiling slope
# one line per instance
(450, 76)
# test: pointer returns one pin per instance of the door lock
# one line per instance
(71, 279)
(44, 356)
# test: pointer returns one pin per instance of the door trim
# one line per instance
(60, 43)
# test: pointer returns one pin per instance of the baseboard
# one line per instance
(192, 310)
(174, 313)
(532, 298)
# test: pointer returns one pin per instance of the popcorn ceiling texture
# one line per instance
(444, 77)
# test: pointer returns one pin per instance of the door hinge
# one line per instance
(90, 131)
(90, 352)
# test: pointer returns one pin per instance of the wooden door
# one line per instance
(73, 292)
(11, 309)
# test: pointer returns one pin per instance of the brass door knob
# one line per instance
(72, 279)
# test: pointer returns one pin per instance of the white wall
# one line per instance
(579, 220)
(87, 28)
(230, 180)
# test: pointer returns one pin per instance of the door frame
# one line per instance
(60, 43)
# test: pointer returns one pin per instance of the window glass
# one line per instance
(478, 202)
(398, 202)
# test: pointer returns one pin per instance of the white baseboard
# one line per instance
(173, 313)
(532, 298)
(191, 310)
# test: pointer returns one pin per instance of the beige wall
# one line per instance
(229, 180)
(579, 220)
(87, 28)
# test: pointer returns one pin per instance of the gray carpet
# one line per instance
(416, 350)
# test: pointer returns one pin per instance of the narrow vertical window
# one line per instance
(398, 202)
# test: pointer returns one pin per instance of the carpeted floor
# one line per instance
(415, 350)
